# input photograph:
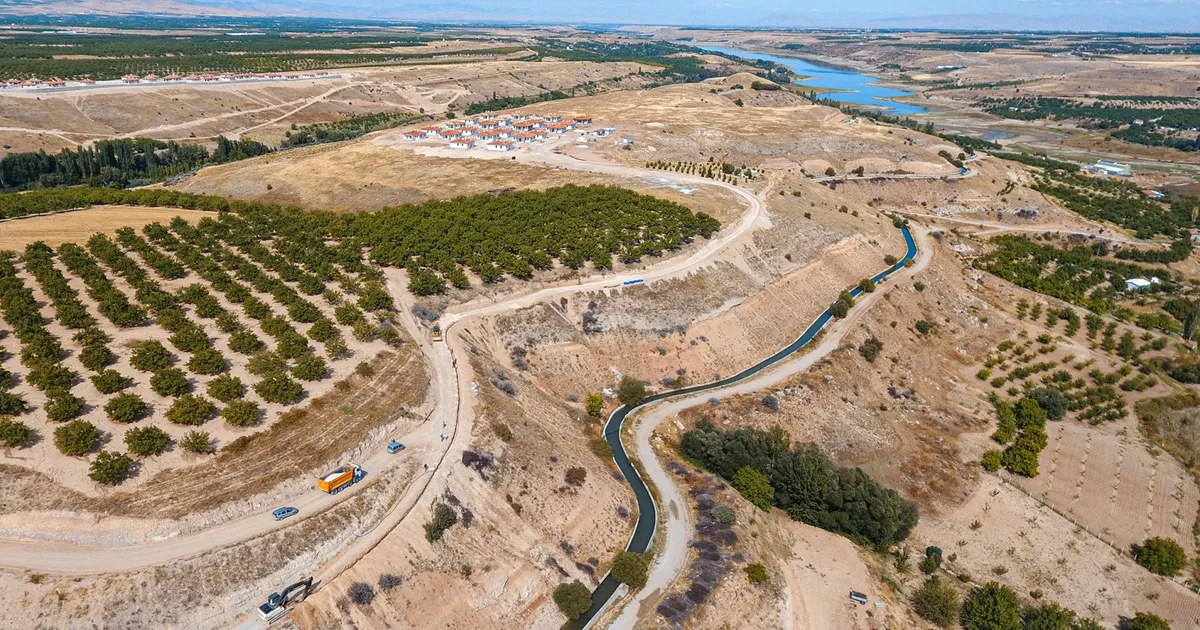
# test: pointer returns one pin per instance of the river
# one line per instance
(860, 89)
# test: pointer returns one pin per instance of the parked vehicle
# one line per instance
(858, 597)
(394, 447)
(340, 479)
(284, 512)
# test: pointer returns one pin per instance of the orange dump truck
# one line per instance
(340, 479)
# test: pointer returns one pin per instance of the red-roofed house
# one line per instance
(500, 145)
(462, 143)
(416, 134)
(130, 78)
(450, 134)
(583, 120)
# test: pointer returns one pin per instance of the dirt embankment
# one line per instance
(528, 528)
(757, 298)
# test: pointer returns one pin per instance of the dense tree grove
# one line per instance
(1075, 275)
(805, 483)
(118, 162)
(512, 233)
(1120, 202)
(346, 128)
(1104, 115)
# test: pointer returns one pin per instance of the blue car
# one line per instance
(394, 447)
(284, 512)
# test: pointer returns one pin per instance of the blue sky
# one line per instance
(1022, 14)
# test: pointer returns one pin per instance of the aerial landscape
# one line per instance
(622, 316)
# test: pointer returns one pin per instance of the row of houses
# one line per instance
(502, 133)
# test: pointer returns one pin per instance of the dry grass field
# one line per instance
(79, 225)
(267, 110)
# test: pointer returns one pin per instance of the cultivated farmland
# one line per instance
(144, 336)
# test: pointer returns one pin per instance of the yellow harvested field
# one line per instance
(77, 226)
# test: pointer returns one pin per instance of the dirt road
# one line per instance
(674, 510)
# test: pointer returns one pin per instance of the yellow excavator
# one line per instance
(436, 332)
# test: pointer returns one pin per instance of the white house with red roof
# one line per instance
(462, 143)
(500, 145)
(416, 134)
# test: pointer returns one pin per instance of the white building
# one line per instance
(1140, 284)
(462, 143)
(500, 145)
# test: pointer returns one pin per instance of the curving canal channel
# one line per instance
(647, 523)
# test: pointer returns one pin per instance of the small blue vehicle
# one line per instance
(394, 447)
(284, 512)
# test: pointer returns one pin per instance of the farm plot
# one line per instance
(162, 353)
(79, 225)
(1105, 480)
(143, 337)
(1087, 463)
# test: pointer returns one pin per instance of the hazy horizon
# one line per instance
(1178, 16)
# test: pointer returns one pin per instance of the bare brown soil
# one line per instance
(529, 529)
(303, 440)
(79, 225)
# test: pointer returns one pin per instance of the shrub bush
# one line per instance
(937, 603)
(991, 607)
(11, 404)
(991, 460)
(150, 356)
(240, 413)
(76, 437)
(127, 407)
(191, 409)
(110, 468)
(226, 388)
(757, 573)
(245, 342)
(266, 363)
(755, 487)
(576, 476)
(96, 357)
(924, 327)
(1161, 555)
(170, 382)
(147, 441)
(629, 568)
(111, 381)
(870, 349)
(361, 593)
(724, 514)
(207, 361)
(199, 442)
(310, 367)
(444, 518)
(389, 581)
(631, 391)
(15, 434)
(278, 388)
(573, 599)
(63, 406)
(1147, 621)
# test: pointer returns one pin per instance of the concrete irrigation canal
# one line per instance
(647, 523)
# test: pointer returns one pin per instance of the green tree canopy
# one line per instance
(992, 607)
(573, 599)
